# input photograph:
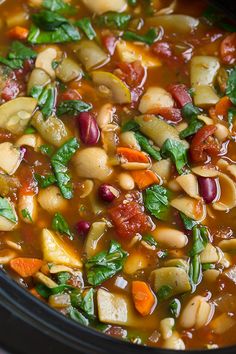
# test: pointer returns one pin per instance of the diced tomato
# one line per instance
(169, 113)
(129, 219)
(11, 90)
(18, 32)
(180, 94)
(109, 42)
(133, 73)
(28, 183)
(228, 49)
(204, 144)
(70, 94)
(162, 49)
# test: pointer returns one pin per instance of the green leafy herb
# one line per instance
(132, 2)
(188, 223)
(30, 130)
(45, 291)
(162, 254)
(177, 152)
(231, 86)
(59, 161)
(84, 301)
(164, 292)
(73, 107)
(46, 149)
(45, 181)
(231, 116)
(198, 243)
(195, 269)
(63, 277)
(59, 6)
(130, 125)
(193, 126)
(207, 266)
(174, 307)
(150, 240)
(156, 201)
(48, 20)
(25, 213)
(86, 26)
(189, 111)
(64, 33)
(78, 317)
(7, 211)
(59, 224)
(147, 147)
(149, 38)
(17, 55)
(46, 97)
(113, 20)
(105, 264)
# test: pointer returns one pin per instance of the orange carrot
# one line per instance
(144, 178)
(222, 107)
(143, 297)
(26, 267)
(132, 155)
(18, 32)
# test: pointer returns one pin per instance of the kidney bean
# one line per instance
(207, 188)
(82, 227)
(88, 128)
(107, 193)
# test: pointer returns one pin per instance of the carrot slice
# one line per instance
(132, 155)
(222, 107)
(143, 297)
(144, 178)
(26, 267)
(18, 32)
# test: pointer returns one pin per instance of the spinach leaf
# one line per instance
(188, 223)
(73, 107)
(190, 111)
(231, 116)
(231, 86)
(193, 126)
(7, 211)
(48, 20)
(147, 147)
(195, 269)
(206, 266)
(63, 277)
(130, 125)
(45, 181)
(59, 161)
(83, 302)
(177, 152)
(25, 213)
(175, 307)
(46, 149)
(78, 317)
(64, 33)
(105, 264)
(113, 20)
(59, 224)
(18, 53)
(86, 26)
(198, 244)
(164, 292)
(149, 38)
(150, 240)
(30, 130)
(59, 6)
(46, 97)
(156, 201)
(45, 291)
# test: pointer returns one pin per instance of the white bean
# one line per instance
(196, 313)
(166, 327)
(105, 115)
(170, 237)
(51, 200)
(125, 181)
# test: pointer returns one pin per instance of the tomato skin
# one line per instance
(10, 91)
(180, 94)
(170, 114)
(109, 42)
(228, 49)
(129, 219)
(203, 144)
(132, 73)
(162, 49)
(70, 94)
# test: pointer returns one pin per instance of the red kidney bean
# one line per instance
(82, 227)
(107, 193)
(88, 128)
(207, 188)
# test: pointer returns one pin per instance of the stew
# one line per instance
(118, 165)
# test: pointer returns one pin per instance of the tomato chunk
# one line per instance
(180, 94)
(228, 49)
(169, 113)
(109, 43)
(129, 219)
(204, 144)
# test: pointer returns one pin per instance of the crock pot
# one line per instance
(28, 326)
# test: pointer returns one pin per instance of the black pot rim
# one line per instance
(47, 320)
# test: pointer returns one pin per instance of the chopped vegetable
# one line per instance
(46, 97)
(26, 267)
(149, 38)
(147, 147)
(156, 201)
(7, 211)
(177, 152)
(231, 86)
(143, 297)
(59, 6)
(105, 264)
(114, 20)
(145, 178)
(132, 155)
(17, 55)
(86, 26)
(59, 224)
(73, 107)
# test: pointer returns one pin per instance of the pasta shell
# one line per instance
(227, 199)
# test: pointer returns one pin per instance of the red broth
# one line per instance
(117, 165)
